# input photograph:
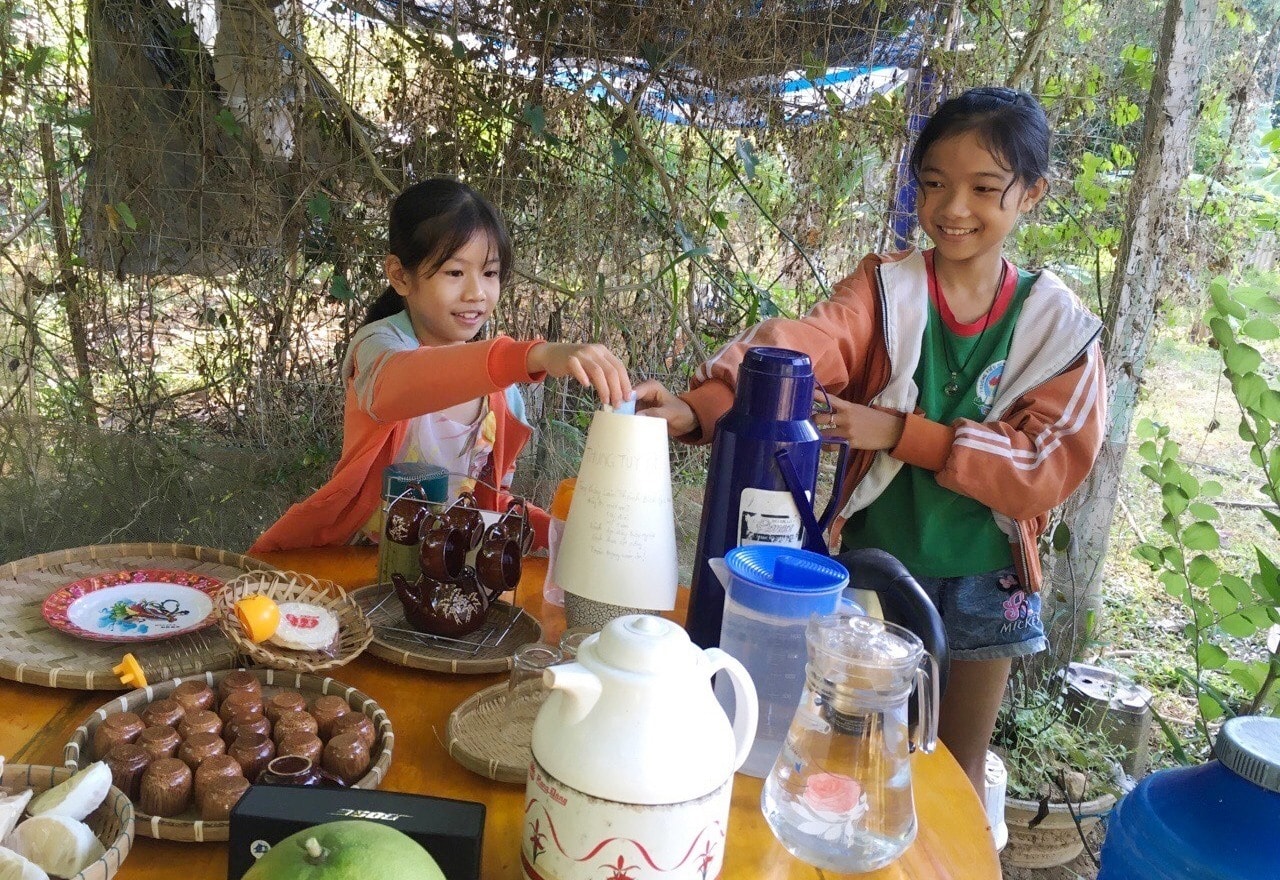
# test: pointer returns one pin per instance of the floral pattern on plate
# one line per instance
(139, 605)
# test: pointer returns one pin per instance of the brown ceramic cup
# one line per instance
(166, 788)
(118, 729)
(240, 701)
(301, 745)
(239, 680)
(193, 696)
(405, 519)
(282, 703)
(200, 747)
(159, 741)
(220, 797)
(213, 769)
(326, 710)
(200, 721)
(498, 562)
(295, 770)
(245, 722)
(167, 712)
(359, 724)
(294, 722)
(127, 764)
(515, 525)
(253, 751)
(444, 548)
(464, 514)
(346, 757)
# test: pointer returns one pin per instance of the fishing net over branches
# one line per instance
(215, 124)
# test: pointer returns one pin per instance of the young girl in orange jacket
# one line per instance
(971, 393)
(417, 387)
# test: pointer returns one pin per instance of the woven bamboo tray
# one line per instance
(491, 735)
(112, 822)
(188, 826)
(34, 653)
(354, 631)
(488, 649)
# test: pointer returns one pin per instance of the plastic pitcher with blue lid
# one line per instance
(770, 593)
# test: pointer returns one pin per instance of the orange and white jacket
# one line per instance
(411, 382)
(1026, 457)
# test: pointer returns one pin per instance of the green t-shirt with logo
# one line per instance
(933, 531)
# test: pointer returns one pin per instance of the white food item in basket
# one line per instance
(17, 867)
(60, 845)
(305, 627)
(78, 796)
(11, 808)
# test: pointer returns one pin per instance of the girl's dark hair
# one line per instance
(1009, 123)
(430, 222)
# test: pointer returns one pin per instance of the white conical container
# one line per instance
(618, 551)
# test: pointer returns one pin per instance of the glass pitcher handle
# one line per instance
(746, 707)
(925, 737)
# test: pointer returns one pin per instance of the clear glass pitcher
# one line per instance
(839, 795)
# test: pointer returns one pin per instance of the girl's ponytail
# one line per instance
(387, 304)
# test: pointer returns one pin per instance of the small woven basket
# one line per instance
(354, 631)
(112, 822)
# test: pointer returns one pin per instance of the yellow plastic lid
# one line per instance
(259, 616)
(563, 498)
(130, 673)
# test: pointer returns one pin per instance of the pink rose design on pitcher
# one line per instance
(832, 793)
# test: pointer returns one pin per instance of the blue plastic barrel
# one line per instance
(1217, 821)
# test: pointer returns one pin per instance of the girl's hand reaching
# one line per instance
(592, 365)
(653, 399)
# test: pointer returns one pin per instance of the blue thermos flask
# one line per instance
(1217, 821)
(762, 477)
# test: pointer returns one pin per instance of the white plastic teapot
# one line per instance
(633, 757)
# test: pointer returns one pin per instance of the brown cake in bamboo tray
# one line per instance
(185, 750)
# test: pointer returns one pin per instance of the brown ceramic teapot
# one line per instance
(449, 608)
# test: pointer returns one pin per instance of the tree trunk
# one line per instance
(1163, 164)
(67, 280)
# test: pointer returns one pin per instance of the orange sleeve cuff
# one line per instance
(924, 443)
(508, 361)
(709, 401)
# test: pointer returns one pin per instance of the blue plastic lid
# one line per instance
(785, 581)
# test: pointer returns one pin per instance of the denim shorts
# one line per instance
(988, 616)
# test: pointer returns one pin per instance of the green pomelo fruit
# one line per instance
(353, 849)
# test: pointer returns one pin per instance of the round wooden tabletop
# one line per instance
(954, 840)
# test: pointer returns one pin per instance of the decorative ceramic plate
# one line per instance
(133, 606)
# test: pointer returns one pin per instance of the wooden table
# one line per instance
(954, 841)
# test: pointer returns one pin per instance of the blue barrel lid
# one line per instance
(785, 581)
(1249, 745)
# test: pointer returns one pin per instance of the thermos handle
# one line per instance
(746, 708)
(813, 538)
(842, 462)
(925, 736)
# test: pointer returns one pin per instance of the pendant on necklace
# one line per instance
(952, 388)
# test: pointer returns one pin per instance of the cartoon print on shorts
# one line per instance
(1017, 604)
(987, 385)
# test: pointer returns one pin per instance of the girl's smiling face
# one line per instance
(969, 202)
(450, 305)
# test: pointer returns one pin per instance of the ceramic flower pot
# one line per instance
(1054, 840)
